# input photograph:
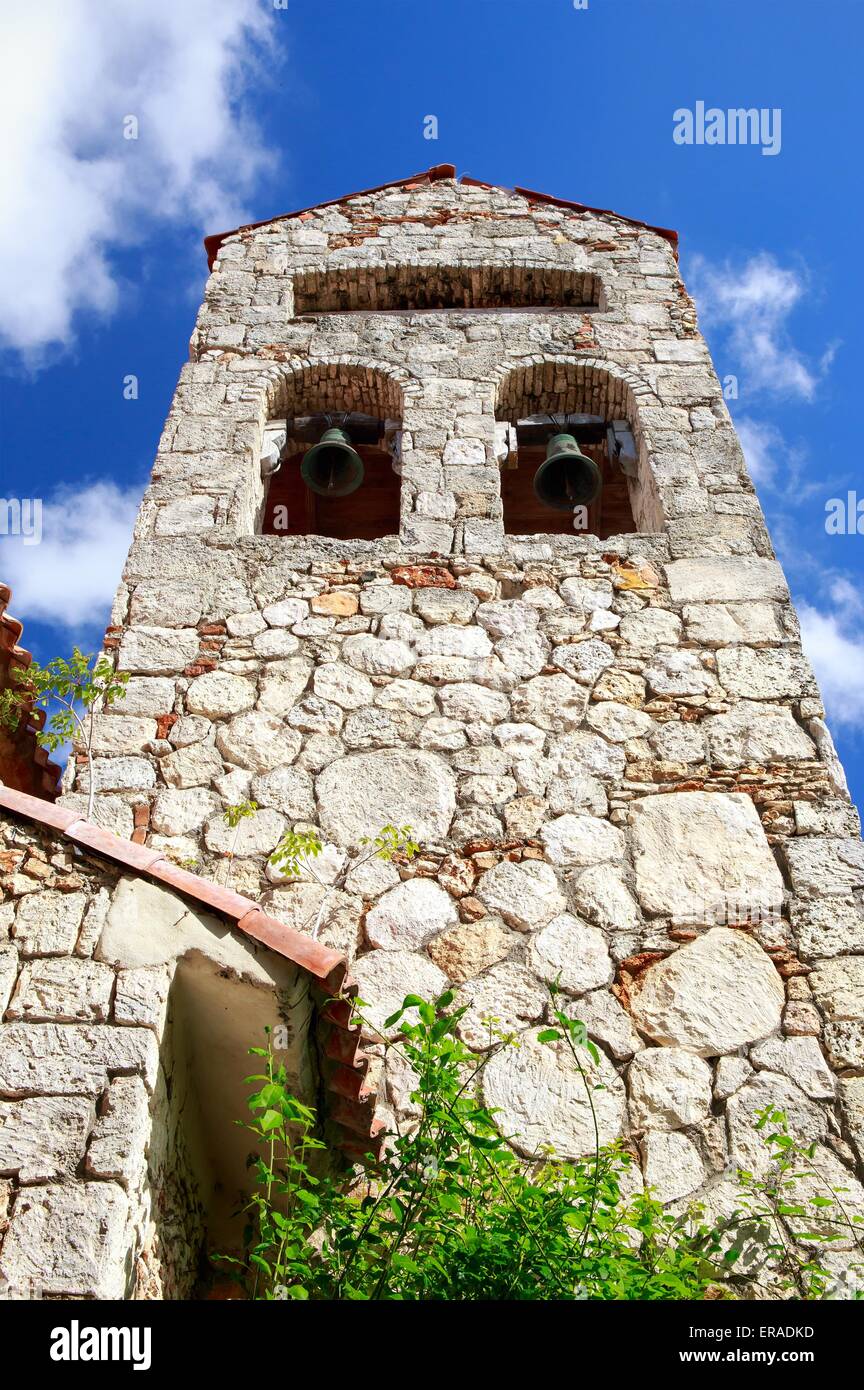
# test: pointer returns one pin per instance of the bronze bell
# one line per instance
(332, 467)
(567, 478)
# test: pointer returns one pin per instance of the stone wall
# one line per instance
(126, 1020)
(614, 752)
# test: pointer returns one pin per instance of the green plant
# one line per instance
(234, 817)
(295, 854)
(449, 1211)
(76, 690)
(787, 1213)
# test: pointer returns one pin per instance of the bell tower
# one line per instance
(449, 526)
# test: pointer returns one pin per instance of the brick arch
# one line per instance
(305, 385)
(570, 385)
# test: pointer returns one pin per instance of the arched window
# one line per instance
(547, 399)
(347, 488)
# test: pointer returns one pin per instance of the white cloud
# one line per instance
(72, 187)
(752, 304)
(833, 639)
(69, 579)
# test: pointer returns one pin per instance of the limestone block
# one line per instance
(607, 1022)
(712, 996)
(764, 674)
(384, 978)
(677, 671)
(473, 703)
(117, 1147)
(47, 922)
(245, 624)
(540, 1098)
(43, 1138)
(574, 794)
(196, 765)
(580, 753)
(72, 1058)
(602, 895)
(731, 1074)
(801, 1060)
(255, 835)
(376, 599)
(363, 792)
(571, 953)
(180, 811)
(219, 694)
(584, 661)
(186, 516)
(506, 617)
(165, 605)
(668, 1088)
(121, 733)
(719, 624)
(582, 840)
(444, 605)
(70, 1241)
(377, 657)
(275, 642)
(258, 741)
(828, 926)
(724, 579)
(8, 974)
(677, 742)
(148, 695)
(157, 650)
(441, 735)
(672, 1166)
(286, 789)
(618, 722)
(141, 996)
(520, 740)
(587, 594)
(828, 866)
(555, 703)
(467, 950)
(407, 697)
(807, 1119)
(696, 851)
(313, 715)
(118, 774)
(408, 916)
(451, 639)
(342, 685)
(526, 895)
(852, 1101)
(523, 655)
(286, 613)
(838, 987)
(651, 627)
(504, 1000)
(62, 990)
(282, 685)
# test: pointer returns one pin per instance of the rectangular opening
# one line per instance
(407, 288)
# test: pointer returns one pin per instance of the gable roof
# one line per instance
(437, 172)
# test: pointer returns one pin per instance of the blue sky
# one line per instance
(247, 108)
